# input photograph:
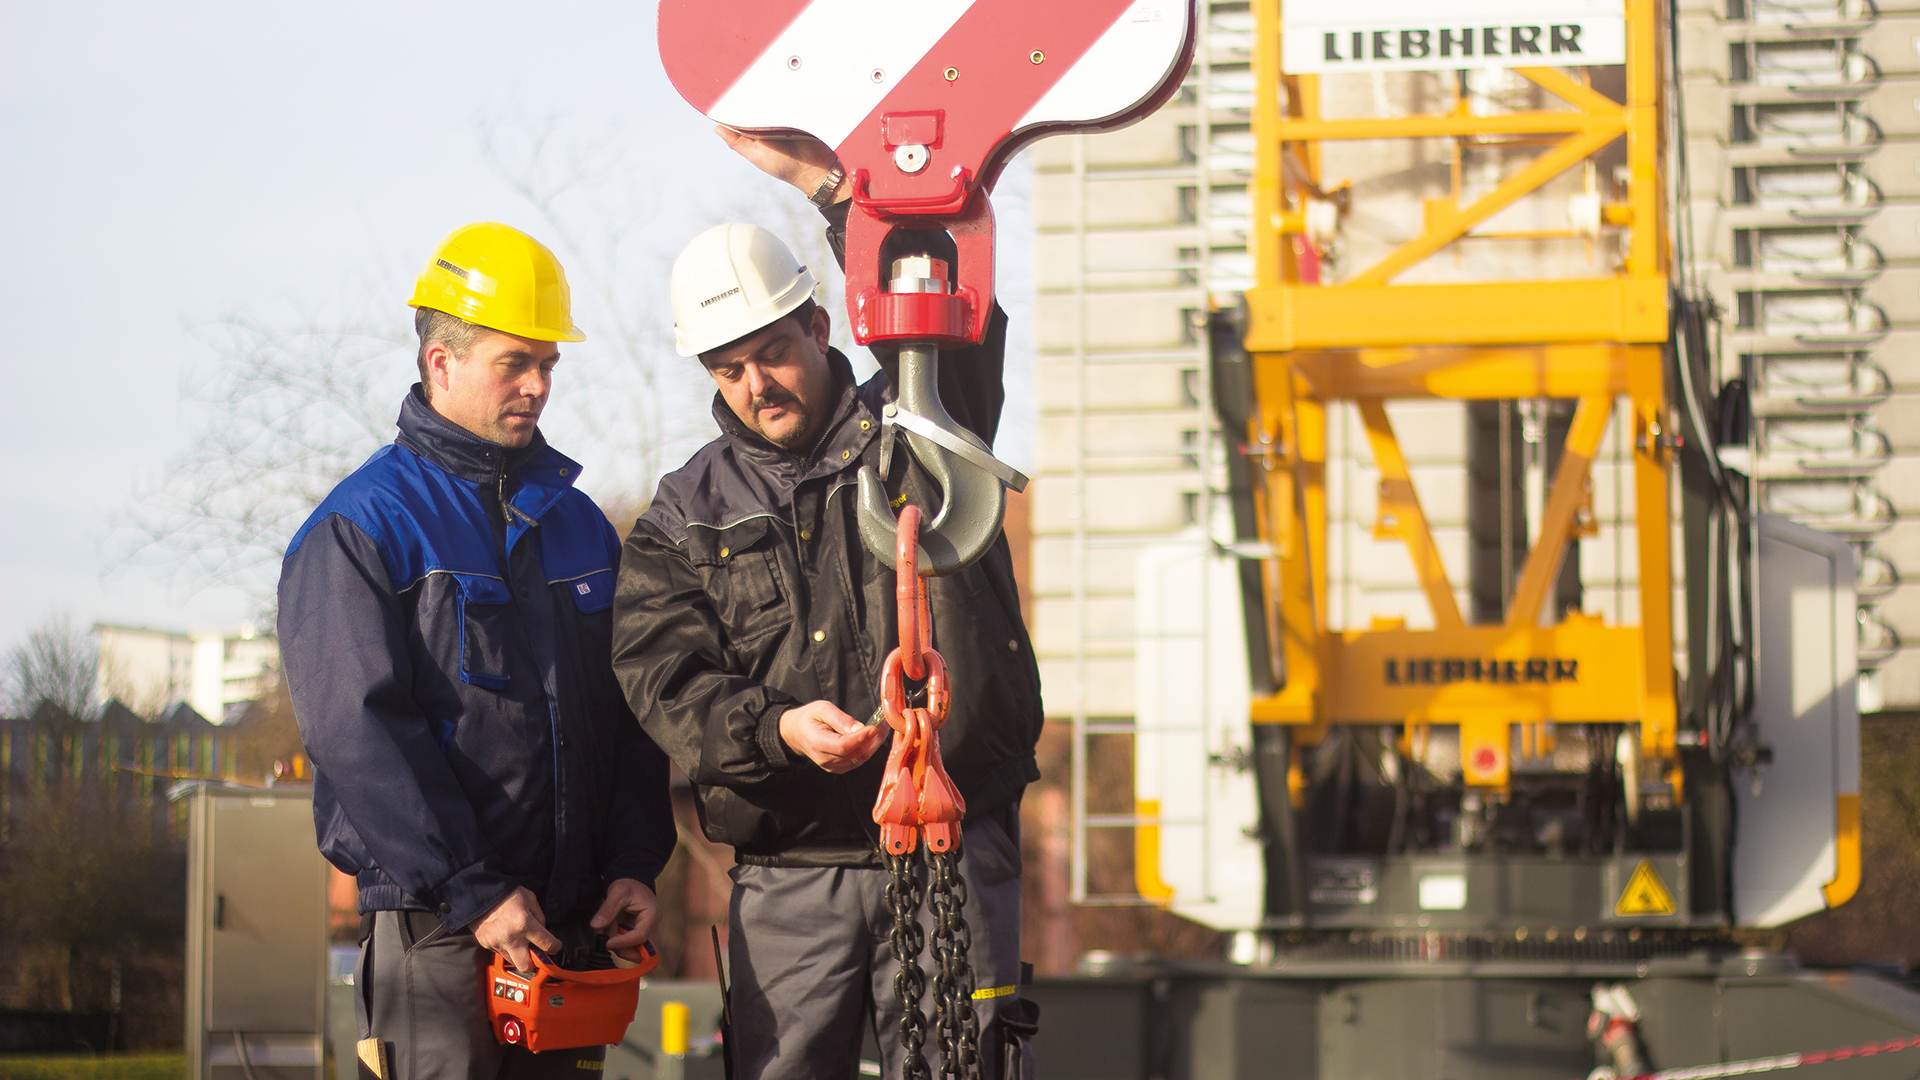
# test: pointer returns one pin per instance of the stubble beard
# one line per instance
(510, 437)
(802, 421)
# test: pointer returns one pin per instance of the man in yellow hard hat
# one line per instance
(444, 628)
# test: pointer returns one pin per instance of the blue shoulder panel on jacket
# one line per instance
(425, 520)
(421, 517)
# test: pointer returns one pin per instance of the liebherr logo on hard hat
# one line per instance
(716, 299)
(452, 269)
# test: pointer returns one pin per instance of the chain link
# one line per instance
(904, 896)
(954, 1017)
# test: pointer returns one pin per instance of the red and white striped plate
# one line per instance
(970, 80)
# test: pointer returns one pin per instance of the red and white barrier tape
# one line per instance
(1784, 1061)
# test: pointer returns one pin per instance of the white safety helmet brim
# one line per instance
(731, 281)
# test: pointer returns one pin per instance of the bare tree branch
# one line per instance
(593, 211)
(286, 415)
(58, 663)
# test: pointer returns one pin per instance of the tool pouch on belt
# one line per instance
(558, 1009)
(1019, 1021)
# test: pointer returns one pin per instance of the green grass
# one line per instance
(93, 1067)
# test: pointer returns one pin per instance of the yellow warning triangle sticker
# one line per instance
(1645, 893)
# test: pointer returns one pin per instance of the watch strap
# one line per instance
(823, 195)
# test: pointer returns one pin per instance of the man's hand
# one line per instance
(514, 924)
(800, 160)
(833, 740)
(632, 911)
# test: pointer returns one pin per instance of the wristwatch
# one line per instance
(823, 195)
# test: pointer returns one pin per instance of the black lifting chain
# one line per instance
(959, 1028)
(957, 1025)
(908, 940)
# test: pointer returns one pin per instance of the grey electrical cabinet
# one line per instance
(1797, 851)
(256, 935)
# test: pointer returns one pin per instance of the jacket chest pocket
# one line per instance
(592, 592)
(484, 610)
(742, 575)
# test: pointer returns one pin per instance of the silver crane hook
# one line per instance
(972, 481)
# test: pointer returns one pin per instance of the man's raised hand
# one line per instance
(829, 737)
(800, 160)
(513, 925)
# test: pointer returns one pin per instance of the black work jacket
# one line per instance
(444, 626)
(745, 590)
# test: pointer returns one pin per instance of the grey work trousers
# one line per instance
(811, 963)
(422, 991)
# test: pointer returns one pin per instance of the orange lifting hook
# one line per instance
(917, 798)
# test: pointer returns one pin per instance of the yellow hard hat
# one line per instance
(498, 277)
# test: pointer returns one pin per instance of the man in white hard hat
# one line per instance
(749, 632)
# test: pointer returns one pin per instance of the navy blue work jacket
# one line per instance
(445, 631)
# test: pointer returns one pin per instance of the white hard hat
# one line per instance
(731, 281)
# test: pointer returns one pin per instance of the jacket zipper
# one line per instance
(507, 509)
(508, 512)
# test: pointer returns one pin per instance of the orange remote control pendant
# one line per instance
(555, 1008)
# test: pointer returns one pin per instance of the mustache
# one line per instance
(773, 399)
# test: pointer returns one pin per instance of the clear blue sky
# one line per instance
(165, 166)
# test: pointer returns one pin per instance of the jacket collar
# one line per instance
(470, 457)
(839, 444)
